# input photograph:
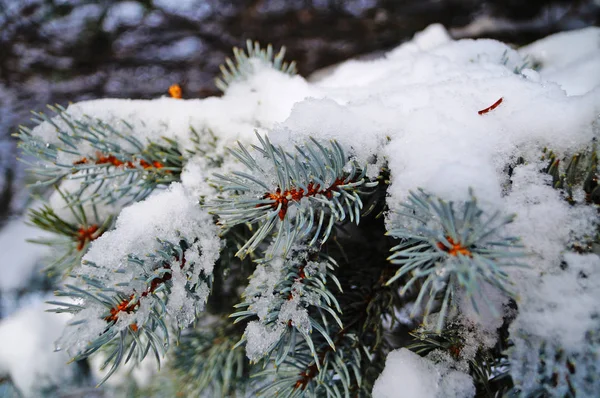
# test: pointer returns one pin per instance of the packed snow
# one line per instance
(424, 110)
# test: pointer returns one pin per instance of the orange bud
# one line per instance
(175, 91)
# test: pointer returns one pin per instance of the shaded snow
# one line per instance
(27, 352)
(20, 259)
(571, 59)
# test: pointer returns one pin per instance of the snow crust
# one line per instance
(170, 215)
(563, 305)
(559, 322)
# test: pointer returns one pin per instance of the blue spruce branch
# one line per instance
(292, 299)
(133, 311)
(447, 250)
(242, 66)
(207, 361)
(72, 239)
(543, 368)
(335, 373)
(99, 153)
(297, 195)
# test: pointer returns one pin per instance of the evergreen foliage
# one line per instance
(449, 251)
(315, 188)
(98, 153)
(553, 370)
(576, 177)
(312, 280)
(148, 294)
(283, 308)
(70, 238)
(581, 171)
(487, 365)
(243, 65)
(209, 361)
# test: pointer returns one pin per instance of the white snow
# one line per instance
(420, 108)
(20, 259)
(572, 59)
(563, 305)
(423, 111)
(257, 103)
(170, 215)
(545, 220)
(559, 319)
(406, 374)
(27, 352)
(261, 338)
(561, 49)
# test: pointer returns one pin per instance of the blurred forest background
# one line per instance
(61, 51)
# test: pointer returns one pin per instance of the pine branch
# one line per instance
(544, 368)
(96, 154)
(230, 272)
(131, 313)
(369, 306)
(7, 387)
(488, 366)
(581, 172)
(335, 373)
(207, 361)
(205, 144)
(312, 190)
(449, 251)
(244, 64)
(72, 238)
(528, 63)
(291, 299)
(366, 301)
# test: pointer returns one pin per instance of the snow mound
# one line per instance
(406, 374)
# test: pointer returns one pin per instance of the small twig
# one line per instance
(491, 108)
